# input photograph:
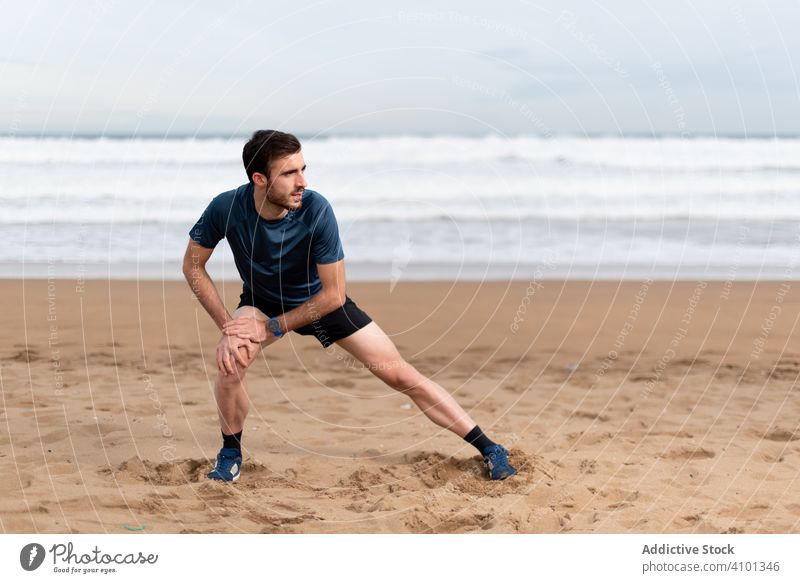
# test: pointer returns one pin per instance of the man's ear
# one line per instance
(259, 179)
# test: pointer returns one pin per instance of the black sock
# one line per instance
(478, 439)
(233, 441)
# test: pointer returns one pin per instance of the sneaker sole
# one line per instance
(236, 477)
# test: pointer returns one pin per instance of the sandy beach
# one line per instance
(628, 407)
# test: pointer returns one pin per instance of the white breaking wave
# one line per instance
(127, 214)
(457, 198)
(657, 154)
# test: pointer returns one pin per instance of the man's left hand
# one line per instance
(251, 329)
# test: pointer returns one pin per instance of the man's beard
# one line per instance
(285, 205)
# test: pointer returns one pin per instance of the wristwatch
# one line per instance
(274, 326)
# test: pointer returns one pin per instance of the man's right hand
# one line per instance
(232, 350)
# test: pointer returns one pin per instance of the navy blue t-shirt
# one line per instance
(277, 260)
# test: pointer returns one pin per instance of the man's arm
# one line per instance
(228, 349)
(194, 270)
(330, 298)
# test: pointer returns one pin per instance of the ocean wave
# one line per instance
(669, 212)
(656, 154)
(369, 190)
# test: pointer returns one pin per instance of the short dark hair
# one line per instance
(264, 147)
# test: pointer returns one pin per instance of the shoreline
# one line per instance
(366, 272)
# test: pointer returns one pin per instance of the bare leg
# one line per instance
(230, 391)
(376, 351)
(233, 403)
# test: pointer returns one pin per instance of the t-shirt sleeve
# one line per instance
(325, 243)
(210, 228)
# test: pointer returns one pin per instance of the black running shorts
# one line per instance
(330, 328)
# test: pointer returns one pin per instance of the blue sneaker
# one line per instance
(228, 466)
(496, 459)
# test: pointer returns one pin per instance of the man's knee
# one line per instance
(234, 379)
(249, 312)
(400, 375)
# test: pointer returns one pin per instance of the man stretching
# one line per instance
(285, 242)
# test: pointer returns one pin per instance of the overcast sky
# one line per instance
(539, 67)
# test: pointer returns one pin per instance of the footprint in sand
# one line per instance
(690, 520)
(11, 482)
(24, 355)
(460, 523)
(590, 415)
(777, 434)
(54, 437)
(620, 498)
(278, 524)
(344, 383)
(690, 362)
(164, 474)
(785, 370)
(689, 453)
(95, 429)
(642, 378)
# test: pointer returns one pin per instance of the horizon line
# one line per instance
(308, 135)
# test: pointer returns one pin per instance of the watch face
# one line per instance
(274, 327)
